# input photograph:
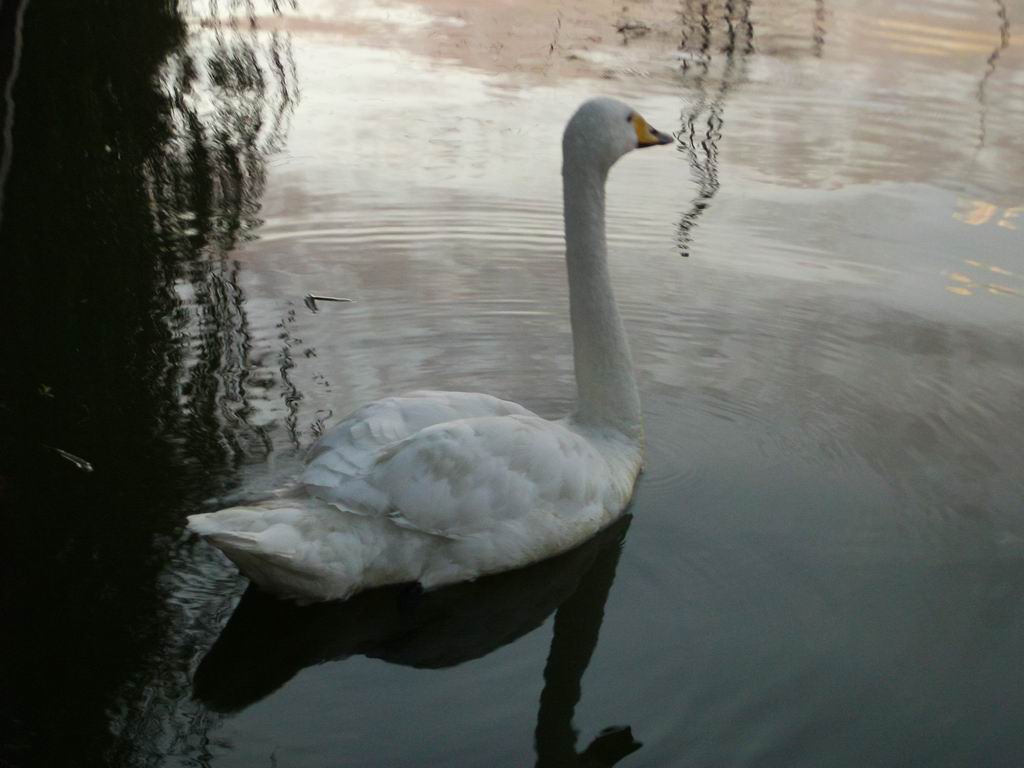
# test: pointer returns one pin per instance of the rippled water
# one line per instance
(823, 283)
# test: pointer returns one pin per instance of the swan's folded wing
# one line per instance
(352, 448)
(483, 474)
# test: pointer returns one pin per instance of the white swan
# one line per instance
(441, 487)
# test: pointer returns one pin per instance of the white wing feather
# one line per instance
(468, 476)
(352, 447)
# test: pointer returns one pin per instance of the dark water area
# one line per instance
(824, 289)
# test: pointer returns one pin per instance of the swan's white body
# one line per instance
(441, 487)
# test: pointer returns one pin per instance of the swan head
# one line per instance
(602, 130)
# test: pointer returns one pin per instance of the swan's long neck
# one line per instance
(604, 372)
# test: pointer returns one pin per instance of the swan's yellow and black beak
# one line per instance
(646, 136)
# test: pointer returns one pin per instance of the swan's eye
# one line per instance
(629, 118)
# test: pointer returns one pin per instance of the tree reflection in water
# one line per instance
(137, 158)
(990, 70)
(708, 29)
(717, 43)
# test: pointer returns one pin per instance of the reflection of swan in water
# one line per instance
(435, 630)
(442, 487)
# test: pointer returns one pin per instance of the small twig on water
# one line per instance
(78, 461)
(312, 298)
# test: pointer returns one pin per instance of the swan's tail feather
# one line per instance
(236, 541)
(269, 528)
(240, 498)
(277, 543)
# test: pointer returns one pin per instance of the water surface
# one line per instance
(823, 284)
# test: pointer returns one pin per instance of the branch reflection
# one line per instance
(702, 118)
(990, 70)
